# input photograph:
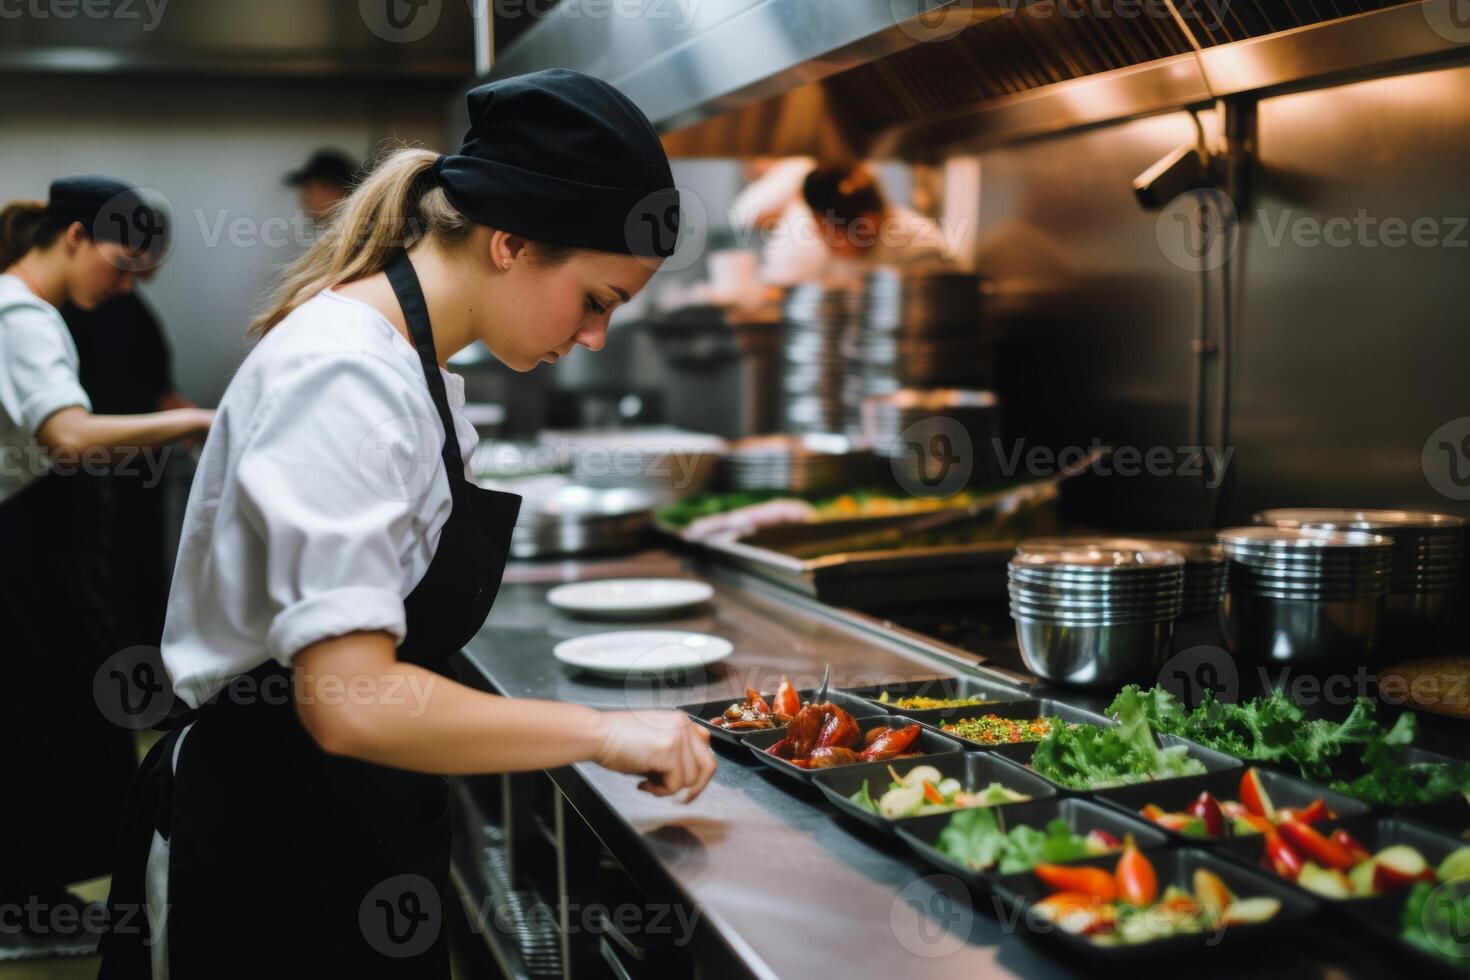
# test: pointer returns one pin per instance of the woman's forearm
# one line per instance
(357, 700)
(77, 430)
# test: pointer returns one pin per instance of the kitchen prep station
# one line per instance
(772, 489)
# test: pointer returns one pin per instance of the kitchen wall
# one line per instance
(1348, 347)
(216, 149)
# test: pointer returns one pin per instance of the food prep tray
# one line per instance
(1020, 892)
(1027, 709)
(921, 834)
(929, 742)
(1176, 795)
(974, 769)
(702, 713)
(938, 687)
(1021, 753)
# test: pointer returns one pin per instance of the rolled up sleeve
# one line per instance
(335, 479)
(40, 367)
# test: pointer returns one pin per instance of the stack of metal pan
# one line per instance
(916, 331)
(1426, 564)
(1096, 617)
(800, 464)
(1304, 596)
(1204, 563)
(911, 426)
(817, 321)
(562, 517)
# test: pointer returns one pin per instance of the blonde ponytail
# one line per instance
(398, 204)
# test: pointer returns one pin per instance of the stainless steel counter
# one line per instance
(782, 888)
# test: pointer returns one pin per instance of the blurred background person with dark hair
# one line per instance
(819, 222)
(126, 369)
(322, 181)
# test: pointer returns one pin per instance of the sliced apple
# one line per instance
(1211, 892)
(1399, 866)
(1252, 911)
(1253, 794)
(1327, 882)
(1361, 878)
(1208, 810)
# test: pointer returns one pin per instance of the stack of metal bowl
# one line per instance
(562, 517)
(892, 422)
(1301, 596)
(1098, 617)
(1204, 563)
(800, 464)
(1426, 564)
(817, 321)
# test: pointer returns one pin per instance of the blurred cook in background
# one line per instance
(126, 369)
(66, 763)
(322, 181)
(828, 222)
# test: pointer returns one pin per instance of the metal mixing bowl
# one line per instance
(1107, 655)
(1337, 633)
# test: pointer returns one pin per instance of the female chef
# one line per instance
(334, 555)
(66, 765)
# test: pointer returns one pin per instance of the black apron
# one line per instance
(283, 860)
(66, 766)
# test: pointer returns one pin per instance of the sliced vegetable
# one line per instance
(1314, 846)
(1253, 794)
(1083, 880)
(1136, 880)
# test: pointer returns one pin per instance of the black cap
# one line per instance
(563, 157)
(331, 166)
(111, 210)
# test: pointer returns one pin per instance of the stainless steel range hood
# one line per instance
(323, 38)
(909, 77)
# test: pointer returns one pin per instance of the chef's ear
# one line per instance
(505, 248)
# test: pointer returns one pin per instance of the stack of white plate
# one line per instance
(1204, 563)
(801, 464)
(1096, 616)
(1426, 563)
(1304, 596)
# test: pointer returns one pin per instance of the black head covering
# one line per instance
(331, 166)
(111, 210)
(563, 157)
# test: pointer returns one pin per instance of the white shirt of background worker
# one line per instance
(820, 223)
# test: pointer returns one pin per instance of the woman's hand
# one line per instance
(666, 746)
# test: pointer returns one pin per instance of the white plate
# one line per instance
(642, 653)
(629, 598)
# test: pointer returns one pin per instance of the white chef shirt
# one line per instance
(38, 378)
(318, 500)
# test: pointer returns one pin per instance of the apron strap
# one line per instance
(125, 946)
(405, 283)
